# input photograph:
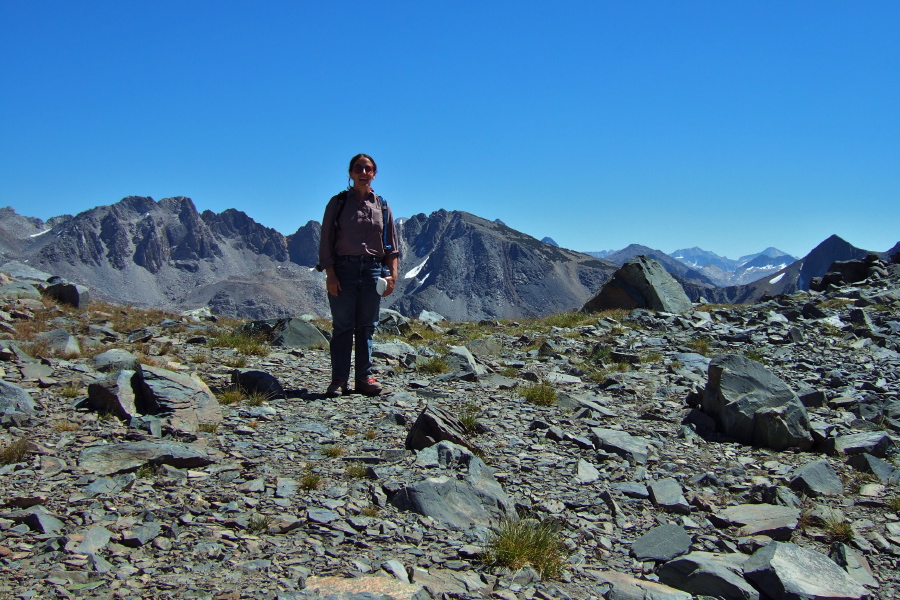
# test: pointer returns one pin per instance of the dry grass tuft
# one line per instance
(14, 452)
(230, 395)
(333, 451)
(541, 393)
(357, 471)
(517, 543)
(61, 425)
(250, 345)
(310, 480)
(434, 365)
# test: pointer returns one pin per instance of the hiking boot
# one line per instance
(368, 387)
(337, 388)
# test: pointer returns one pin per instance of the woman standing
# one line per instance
(359, 243)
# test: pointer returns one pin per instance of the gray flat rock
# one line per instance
(662, 543)
(668, 495)
(709, 574)
(110, 459)
(817, 478)
(627, 446)
(790, 572)
(777, 522)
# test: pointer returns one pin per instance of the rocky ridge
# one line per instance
(165, 254)
(117, 494)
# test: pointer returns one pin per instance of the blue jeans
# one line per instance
(354, 314)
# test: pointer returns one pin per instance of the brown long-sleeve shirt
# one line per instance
(358, 231)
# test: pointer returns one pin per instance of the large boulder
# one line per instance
(754, 406)
(640, 283)
(182, 401)
(287, 333)
(69, 293)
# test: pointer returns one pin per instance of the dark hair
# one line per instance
(359, 156)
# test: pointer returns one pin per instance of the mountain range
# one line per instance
(166, 254)
(708, 267)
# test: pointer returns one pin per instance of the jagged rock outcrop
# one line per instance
(303, 245)
(641, 283)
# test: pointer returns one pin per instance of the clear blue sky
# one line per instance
(732, 126)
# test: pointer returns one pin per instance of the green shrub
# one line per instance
(839, 529)
(256, 398)
(569, 319)
(357, 471)
(652, 357)
(230, 395)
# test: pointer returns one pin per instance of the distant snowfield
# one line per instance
(41, 233)
(776, 279)
(415, 270)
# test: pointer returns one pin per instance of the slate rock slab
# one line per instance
(256, 381)
(876, 443)
(754, 406)
(626, 587)
(15, 399)
(709, 574)
(790, 572)
(817, 478)
(662, 543)
(668, 495)
(111, 459)
(19, 289)
(115, 394)
(297, 333)
(435, 424)
(116, 359)
(777, 522)
(629, 447)
(883, 470)
(185, 400)
(95, 539)
(855, 564)
(61, 341)
(69, 293)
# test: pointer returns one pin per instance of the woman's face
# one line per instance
(363, 171)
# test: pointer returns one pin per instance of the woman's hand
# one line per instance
(391, 282)
(332, 283)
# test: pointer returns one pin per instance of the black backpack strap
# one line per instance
(342, 200)
(384, 220)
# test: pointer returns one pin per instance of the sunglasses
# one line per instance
(363, 169)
